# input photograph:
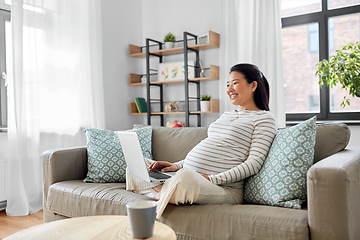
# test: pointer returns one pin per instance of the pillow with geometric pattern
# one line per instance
(282, 179)
(106, 162)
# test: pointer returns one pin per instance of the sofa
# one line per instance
(332, 210)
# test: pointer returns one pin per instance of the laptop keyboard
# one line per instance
(158, 175)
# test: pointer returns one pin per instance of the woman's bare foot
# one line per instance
(158, 192)
(157, 196)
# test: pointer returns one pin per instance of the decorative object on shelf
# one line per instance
(141, 105)
(175, 124)
(169, 40)
(205, 103)
(342, 68)
(175, 70)
(172, 107)
(203, 39)
(202, 72)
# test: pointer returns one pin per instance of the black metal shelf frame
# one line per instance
(148, 100)
(197, 74)
(187, 37)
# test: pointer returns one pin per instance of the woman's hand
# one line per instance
(205, 176)
(163, 166)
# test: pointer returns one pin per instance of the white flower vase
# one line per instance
(169, 45)
(205, 106)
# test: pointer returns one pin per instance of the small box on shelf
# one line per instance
(213, 42)
(203, 39)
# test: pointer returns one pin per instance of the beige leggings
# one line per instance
(187, 186)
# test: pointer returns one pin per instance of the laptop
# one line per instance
(135, 160)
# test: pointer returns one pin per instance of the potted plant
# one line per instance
(205, 103)
(169, 40)
(342, 68)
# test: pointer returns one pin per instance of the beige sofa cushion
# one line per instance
(236, 222)
(173, 144)
(76, 198)
(330, 138)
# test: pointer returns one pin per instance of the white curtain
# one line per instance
(55, 88)
(251, 33)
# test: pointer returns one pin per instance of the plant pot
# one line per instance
(169, 45)
(205, 106)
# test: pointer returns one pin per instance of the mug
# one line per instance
(142, 218)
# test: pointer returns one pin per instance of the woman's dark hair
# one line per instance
(252, 73)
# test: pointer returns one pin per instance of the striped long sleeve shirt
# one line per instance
(236, 147)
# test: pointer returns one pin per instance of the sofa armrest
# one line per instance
(334, 196)
(62, 165)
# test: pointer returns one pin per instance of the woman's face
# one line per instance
(240, 91)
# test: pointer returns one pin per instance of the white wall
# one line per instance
(121, 25)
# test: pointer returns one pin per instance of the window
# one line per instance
(313, 30)
(314, 37)
(292, 8)
(4, 26)
(301, 88)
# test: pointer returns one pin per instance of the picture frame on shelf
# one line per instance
(203, 39)
(175, 70)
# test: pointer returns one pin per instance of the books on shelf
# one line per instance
(141, 105)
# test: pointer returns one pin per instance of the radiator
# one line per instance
(3, 179)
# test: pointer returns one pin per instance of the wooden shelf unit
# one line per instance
(214, 108)
(212, 74)
(135, 79)
(214, 42)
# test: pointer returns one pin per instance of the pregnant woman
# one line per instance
(213, 172)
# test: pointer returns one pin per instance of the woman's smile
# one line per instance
(233, 96)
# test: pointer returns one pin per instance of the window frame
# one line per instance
(4, 17)
(322, 18)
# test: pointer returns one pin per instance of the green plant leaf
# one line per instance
(170, 37)
(344, 68)
(342, 104)
(205, 98)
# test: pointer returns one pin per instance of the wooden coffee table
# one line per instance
(94, 227)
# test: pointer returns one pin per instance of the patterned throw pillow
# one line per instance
(282, 179)
(106, 162)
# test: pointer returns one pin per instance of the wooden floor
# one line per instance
(10, 225)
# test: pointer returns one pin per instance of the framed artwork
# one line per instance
(175, 70)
